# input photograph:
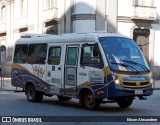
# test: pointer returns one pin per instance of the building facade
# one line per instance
(138, 19)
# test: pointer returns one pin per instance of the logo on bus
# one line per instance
(138, 83)
(96, 76)
(38, 71)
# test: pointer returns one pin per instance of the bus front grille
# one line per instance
(135, 84)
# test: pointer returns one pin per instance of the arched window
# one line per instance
(52, 30)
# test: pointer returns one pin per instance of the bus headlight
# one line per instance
(117, 82)
(116, 78)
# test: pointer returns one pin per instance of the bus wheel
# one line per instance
(62, 98)
(88, 101)
(125, 102)
(33, 95)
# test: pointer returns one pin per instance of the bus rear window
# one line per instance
(20, 54)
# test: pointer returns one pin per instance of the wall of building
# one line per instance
(78, 16)
(126, 26)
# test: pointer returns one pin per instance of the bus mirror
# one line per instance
(45, 61)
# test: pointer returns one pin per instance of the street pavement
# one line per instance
(5, 85)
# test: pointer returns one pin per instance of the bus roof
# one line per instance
(63, 38)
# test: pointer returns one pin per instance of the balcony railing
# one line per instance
(21, 22)
(3, 27)
(144, 13)
(50, 14)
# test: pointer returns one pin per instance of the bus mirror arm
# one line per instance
(46, 61)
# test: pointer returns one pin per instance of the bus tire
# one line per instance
(125, 102)
(62, 98)
(33, 95)
(88, 101)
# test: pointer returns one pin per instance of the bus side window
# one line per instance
(20, 54)
(91, 56)
(54, 55)
(37, 53)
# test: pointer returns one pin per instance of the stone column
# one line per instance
(112, 16)
(100, 15)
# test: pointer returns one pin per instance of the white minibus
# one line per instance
(92, 67)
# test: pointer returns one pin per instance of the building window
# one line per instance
(52, 30)
(23, 6)
(3, 18)
(48, 4)
(148, 3)
(3, 40)
(51, 27)
(23, 31)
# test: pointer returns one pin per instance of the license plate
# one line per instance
(137, 92)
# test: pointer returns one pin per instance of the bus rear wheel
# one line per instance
(88, 101)
(125, 102)
(33, 95)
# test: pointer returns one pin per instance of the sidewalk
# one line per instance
(156, 85)
(6, 85)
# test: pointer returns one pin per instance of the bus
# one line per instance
(94, 67)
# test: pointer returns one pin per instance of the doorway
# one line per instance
(141, 36)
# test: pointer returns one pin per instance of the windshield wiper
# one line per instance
(124, 65)
(144, 67)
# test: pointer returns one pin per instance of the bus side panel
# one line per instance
(94, 79)
(20, 76)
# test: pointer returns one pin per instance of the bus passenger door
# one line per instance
(71, 70)
(55, 67)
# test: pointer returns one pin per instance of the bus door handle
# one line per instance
(59, 68)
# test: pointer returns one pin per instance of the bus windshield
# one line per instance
(123, 54)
